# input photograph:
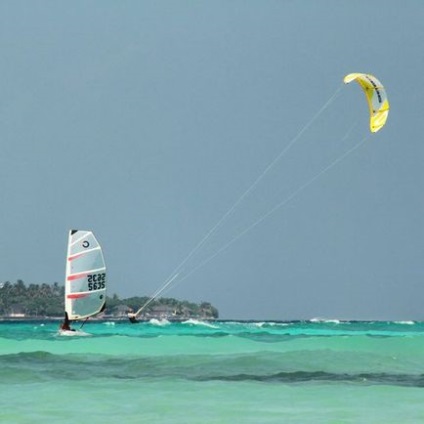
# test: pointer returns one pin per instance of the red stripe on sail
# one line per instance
(76, 295)
(77, 255)
(77, 276)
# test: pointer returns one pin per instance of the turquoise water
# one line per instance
(220, 372)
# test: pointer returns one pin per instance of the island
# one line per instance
(35, 301)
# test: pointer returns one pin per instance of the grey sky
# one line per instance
(145, 121)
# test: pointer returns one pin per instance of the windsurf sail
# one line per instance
(85, 282)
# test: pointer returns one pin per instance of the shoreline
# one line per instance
(205, 319)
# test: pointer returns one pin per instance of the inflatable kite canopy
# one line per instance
(376, 97)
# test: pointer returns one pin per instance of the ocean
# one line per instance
(213, 372)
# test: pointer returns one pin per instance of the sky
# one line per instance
(216, 142)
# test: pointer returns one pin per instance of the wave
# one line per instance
(325, 320)
(404, 380)
(160, 323)
(265, 324)
(199, 323)
(260, 331)
(261, 367)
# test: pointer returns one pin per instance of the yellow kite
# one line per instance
(376, 98)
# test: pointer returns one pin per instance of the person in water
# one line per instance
(66, 324)
(132, 319)
(132, 316)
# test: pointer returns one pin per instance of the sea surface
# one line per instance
(213, 372)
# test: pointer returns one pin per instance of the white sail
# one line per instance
(85, 283)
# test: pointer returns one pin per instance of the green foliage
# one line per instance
(44, 300)
(34, 300)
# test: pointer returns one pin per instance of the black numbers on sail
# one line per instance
(96, 281)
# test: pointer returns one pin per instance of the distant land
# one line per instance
(19, 301)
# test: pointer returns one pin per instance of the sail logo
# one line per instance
(376, 88)
(85, 244)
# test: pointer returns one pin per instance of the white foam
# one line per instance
(160, 323)
(405, 322)
(200, 323)
(76, 333)
(325, 320)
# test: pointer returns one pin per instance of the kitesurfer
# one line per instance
(132, 316)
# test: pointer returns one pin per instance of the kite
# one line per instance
(376, 98)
